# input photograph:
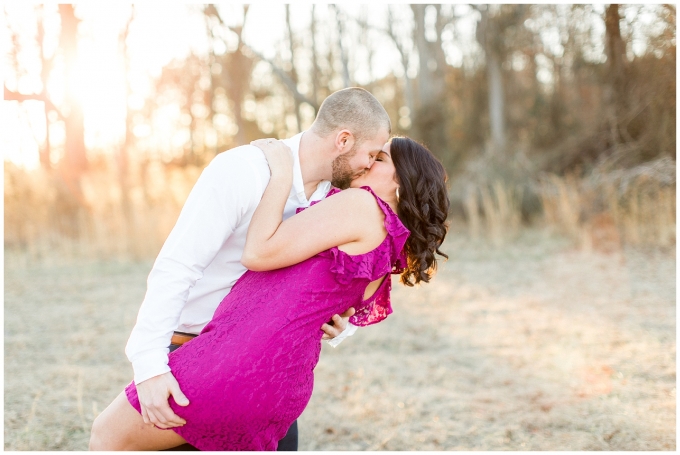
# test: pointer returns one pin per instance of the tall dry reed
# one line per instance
(45, 220)
(131, 220)
(494, 211)
(602, 211)
(605, 212)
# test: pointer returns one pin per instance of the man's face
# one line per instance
(357, 161)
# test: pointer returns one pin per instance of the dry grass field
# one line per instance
(534, 345)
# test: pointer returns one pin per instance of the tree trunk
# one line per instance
(343, 56)
(366, 42)
(123, 155)
(75, 155)
(236, 73)
(429, 118)
(496, 102)
(487, 36)
(45, 69)
(293, 72)
(69, 207)
(405, 62)
(238, 68)
(615, 90)
(616, 51)
(316, 73)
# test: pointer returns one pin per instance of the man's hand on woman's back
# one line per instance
(339, 325)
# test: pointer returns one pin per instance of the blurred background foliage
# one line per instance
(561, 115)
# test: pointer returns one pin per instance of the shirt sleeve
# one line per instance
(224, 192)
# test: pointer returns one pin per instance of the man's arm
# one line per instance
(223, 193)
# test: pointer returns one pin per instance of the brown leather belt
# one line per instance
(179, 338)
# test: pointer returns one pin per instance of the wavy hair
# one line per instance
(423, 206)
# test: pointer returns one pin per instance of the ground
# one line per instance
(534, 345)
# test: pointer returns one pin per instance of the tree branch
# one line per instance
(287, 81)
(16, 96)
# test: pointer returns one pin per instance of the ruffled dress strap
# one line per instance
(331, 192)
(389, 257)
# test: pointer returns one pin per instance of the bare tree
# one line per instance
(236, 71)
(405, 58)
(488, 36)
(293, 71)
(46, 65)
(316, 73)
(339, 19)
(366, 42)
(123, 152)
(238, 66)
(615, 93)
(429, 119)
(75, 155)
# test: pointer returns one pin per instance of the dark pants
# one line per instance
(289, 443)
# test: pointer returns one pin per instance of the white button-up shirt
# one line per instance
(201, 259)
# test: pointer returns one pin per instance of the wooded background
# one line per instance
(551, 327)
(555, 114)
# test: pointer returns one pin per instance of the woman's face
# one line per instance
(382, 177)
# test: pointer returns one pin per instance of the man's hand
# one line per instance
(153, 399)
(339, 325)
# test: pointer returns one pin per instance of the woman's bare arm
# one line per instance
(349, 217)
(269, 212)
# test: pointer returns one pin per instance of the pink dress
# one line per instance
(249, 374)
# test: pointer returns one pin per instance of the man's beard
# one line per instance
(342, 172)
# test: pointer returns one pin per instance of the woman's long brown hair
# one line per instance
(423, 206)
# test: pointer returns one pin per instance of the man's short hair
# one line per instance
(354, 109)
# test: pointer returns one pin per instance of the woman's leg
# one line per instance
(121, 427)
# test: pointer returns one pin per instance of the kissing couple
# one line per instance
(279, 245)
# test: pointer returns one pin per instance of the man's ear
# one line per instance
(344, 141)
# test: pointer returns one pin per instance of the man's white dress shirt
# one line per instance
(201, 259)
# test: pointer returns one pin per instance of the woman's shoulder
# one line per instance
(357, 199)
(375, 207)
(358, 194)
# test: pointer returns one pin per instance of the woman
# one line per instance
(249, 374)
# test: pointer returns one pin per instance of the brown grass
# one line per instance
(533, 345)
(522, 342)
(500, 206)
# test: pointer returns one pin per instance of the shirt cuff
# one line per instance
(150, 364)
(348, 332)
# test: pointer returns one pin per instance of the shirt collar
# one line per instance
(298, 184)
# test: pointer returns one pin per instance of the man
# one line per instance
(200, 260)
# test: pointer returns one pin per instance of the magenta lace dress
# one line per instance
(249, 374)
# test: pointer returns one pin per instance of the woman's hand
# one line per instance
(269, 212)
(279, 157)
